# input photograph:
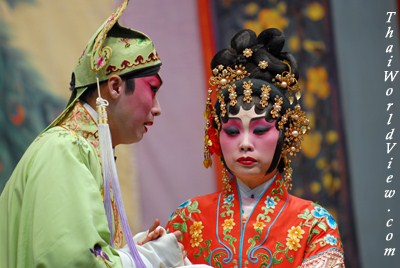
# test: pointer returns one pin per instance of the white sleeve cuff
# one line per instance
(127, 260)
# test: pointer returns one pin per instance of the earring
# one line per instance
(226, 180)
(287, 173)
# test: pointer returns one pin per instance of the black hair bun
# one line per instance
(273, 40)
(264, 58)
(244, 39)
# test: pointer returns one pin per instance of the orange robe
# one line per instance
(281, 231)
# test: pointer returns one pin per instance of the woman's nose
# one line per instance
(246, 145)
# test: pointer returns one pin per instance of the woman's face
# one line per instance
(248, 145)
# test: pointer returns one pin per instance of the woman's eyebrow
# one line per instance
(257, 118)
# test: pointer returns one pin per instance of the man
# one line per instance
(62, 206)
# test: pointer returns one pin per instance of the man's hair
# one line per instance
(129, 89)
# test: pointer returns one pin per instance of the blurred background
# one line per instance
(341, 50)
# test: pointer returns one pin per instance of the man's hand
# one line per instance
(156, 231)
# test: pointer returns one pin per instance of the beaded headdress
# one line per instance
(282, 93)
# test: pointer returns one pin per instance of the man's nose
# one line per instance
(156, 110)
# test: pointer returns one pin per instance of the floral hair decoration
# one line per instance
(291, 121)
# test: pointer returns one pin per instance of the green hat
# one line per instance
(112, 50)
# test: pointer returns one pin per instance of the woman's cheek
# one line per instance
(227, 143)
(266, 143)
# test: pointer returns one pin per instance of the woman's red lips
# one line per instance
(246, 160)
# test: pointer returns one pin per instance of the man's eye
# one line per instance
(231, 131)
(261, 130)
(154, 89)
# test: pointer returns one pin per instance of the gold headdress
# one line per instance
(292, 121)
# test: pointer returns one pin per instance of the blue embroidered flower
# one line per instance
(184, 204)
(320, 212)
(331, 240)
(270, 202)
(228, 200)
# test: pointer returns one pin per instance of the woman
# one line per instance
(256, 127)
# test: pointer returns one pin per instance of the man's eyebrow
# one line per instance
(159, 79)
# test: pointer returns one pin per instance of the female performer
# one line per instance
(255, 127)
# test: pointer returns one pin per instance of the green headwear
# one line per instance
(112, 50)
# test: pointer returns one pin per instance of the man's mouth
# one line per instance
(150, 123)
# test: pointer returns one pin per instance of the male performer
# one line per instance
(62, 206)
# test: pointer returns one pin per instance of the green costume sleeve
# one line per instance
(56, 216)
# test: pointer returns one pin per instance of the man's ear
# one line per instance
(115, 86)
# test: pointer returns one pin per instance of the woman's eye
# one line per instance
(231, 131)
(261, 130)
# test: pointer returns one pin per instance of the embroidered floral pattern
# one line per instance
(195, 240)
(228, 224)
(331, 240)
(296, 232)
(293, 243)
(195, 232)
(184, 204)
(97, 251)
(320, 212)
(293, 238)
(259, 226)
(228, 200)
(79, 120)
(270, 202)
(195, 229)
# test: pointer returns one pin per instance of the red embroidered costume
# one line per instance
(281, 231)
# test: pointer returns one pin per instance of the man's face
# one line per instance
(135, 112)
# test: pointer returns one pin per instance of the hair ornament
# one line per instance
(265, 89)
(222, 77)
(263, 64)
(211, 144)
(287, 173)
(288, 81)
(248, 52)
(247, 91)
(293, 132)
(222, 104)
(277, 107)
(226, 180)
(232, 95)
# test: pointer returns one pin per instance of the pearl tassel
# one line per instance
(110, 177)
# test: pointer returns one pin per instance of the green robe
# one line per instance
(52, 212)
